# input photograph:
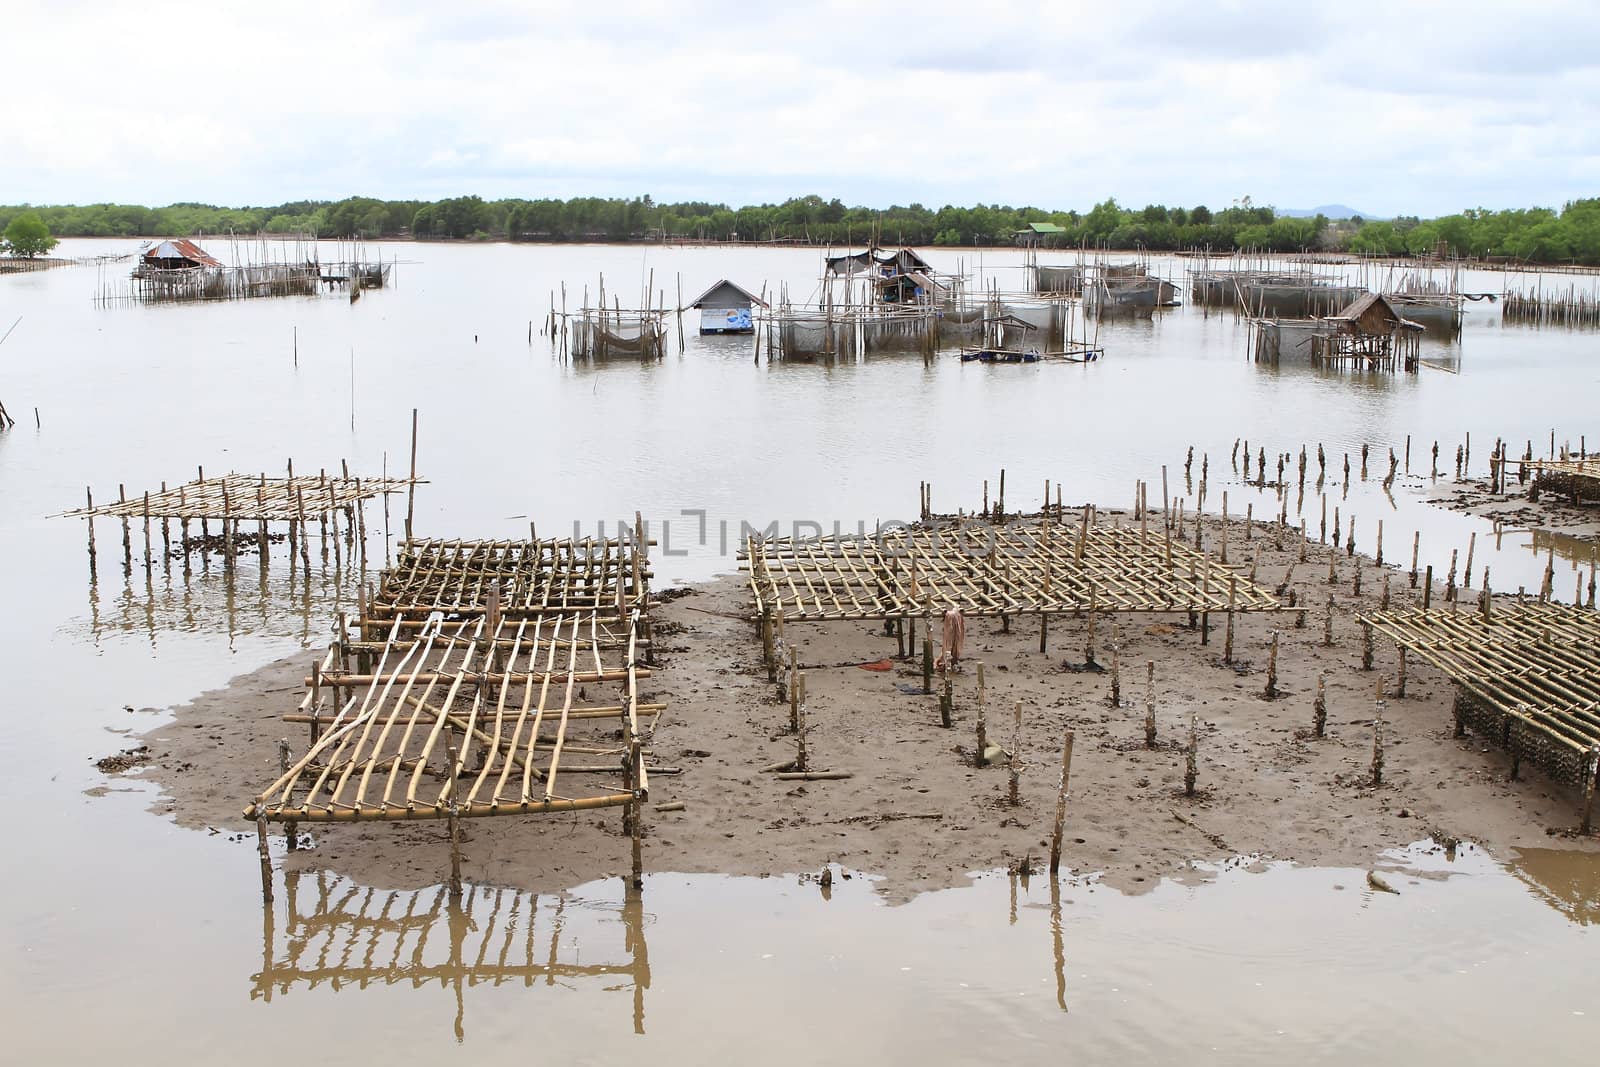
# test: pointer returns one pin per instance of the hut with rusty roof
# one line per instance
(179, 254)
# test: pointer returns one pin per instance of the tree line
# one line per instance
(1546, 235)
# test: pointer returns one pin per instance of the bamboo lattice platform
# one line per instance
(1586, 468)
(249, 498)
(986, 570)
(535, 578)
(469, 719)
(487, 678)
(1530, 674)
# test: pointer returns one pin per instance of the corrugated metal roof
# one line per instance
(725, 283)
(183, 248)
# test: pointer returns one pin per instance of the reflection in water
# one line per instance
(350, 935)
(1568, 881)
(1579, 551)
(260, 600)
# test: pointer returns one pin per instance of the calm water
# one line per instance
(156, 931)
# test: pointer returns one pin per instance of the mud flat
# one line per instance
(916, 810)
(1552, 511)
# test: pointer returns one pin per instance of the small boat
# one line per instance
(1078, 354)
(1000, 355)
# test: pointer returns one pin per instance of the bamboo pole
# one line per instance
(1061, 804)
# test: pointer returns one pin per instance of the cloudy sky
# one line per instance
(1390, 108)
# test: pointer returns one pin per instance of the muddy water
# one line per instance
(115, 915)
(1471, 962)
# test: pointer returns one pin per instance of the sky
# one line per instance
(1390, 108)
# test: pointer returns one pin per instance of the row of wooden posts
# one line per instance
(791, 685)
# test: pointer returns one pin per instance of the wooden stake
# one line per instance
(1150, 703)
(1319, 708)
(411, 488)
(1061, 804)
(1272, 669)
(266, 859)
(1191, 760)
(983, 733)
(1590, 771)
(1377, 745)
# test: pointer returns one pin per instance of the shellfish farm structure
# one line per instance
(1527, 677)
(471, 687)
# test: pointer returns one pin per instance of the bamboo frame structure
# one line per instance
(534, 578)
(249, 498)
(341, 934)
(1529, 675)
(1575, 476)
(491, 684)
(1036, 568)
(478, 666)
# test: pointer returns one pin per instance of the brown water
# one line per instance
(123, 932)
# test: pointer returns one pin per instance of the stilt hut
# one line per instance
(1370, 333)
(726, 307)
(181, 254)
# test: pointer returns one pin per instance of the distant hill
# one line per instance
(1332, 211)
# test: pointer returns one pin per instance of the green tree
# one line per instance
(27, 236)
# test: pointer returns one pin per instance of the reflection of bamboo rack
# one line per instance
(993, 570)
(354, 935)
(429, 717)
(1529, 674)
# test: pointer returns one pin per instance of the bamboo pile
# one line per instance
(1528, 673)
(475, 670)
(341, 934)
(1037, 568)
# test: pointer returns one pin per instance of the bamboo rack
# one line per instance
(984, 570)
(249, 498)
(534, 578)
(389, 745)
(1530, 673)
(1575, 476)
(476, 667)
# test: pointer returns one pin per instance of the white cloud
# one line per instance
(1391, 107)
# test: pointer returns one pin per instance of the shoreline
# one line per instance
(917, 813)
(1549, 514)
